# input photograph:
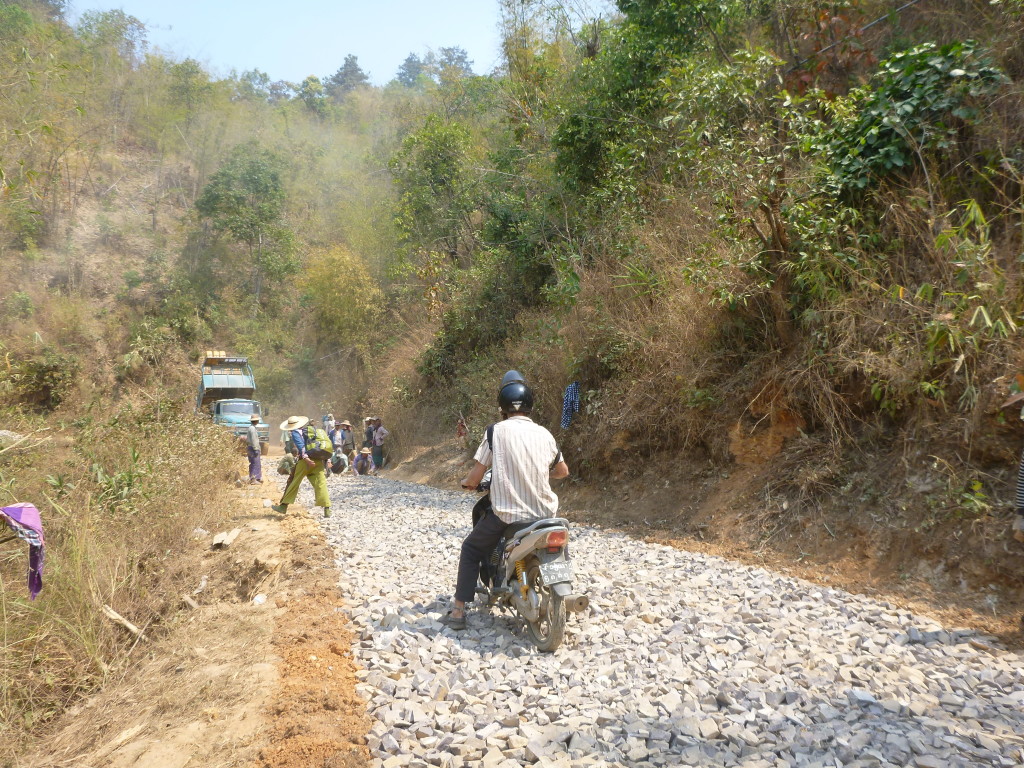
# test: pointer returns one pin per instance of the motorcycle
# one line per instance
(530, 572)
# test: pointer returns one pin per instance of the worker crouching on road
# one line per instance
(286, 465)
(305, 467)
(339, 461)
(363, 464)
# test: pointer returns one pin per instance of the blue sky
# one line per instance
(290, 40)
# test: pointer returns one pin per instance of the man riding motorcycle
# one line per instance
(523, 457)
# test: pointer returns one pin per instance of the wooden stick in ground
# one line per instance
(117, 618)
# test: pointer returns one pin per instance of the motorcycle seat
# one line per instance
(519, 530)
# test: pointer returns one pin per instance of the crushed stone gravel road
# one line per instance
(684, 659)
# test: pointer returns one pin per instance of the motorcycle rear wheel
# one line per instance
(549, 629)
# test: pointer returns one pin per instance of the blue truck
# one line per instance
(226, 389)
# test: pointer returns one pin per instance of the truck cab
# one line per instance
(226, 394)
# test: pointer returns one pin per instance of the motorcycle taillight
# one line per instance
(556, 539)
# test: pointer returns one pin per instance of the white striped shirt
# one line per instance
(521, 461)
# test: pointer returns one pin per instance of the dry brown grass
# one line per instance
(120, 492)
(646, 344)
(232, 683)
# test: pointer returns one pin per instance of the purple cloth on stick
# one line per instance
(23, 518)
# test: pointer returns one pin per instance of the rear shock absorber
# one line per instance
(521, 575)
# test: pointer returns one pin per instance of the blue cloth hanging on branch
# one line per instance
(570, 404)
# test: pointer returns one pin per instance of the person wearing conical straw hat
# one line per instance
(348, 438)
(306, 467)
(363, 464)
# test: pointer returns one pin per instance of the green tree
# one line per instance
(920, 100)
(448, 65)
(15, 22)
(105, 32)
(281, 90)
(190, 87)
(252, 85)
(436, 189)
(348, 77)
(245, 200)
(52, 10)
(312, 94)
(615, 97)
(453, 63)
(410, 71)
(346, 299)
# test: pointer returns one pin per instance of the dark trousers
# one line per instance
(476, 547)
(255, 468)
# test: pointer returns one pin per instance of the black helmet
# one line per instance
(513, 377)
(514, 396)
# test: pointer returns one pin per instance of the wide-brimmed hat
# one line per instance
(254, 417)
(345, 423)
(294, 422)
(365, 450)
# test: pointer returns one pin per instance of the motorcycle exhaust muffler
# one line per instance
(576, 603)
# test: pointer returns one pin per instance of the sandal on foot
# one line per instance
(458, 623)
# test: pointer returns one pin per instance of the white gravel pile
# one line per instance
(685, 659)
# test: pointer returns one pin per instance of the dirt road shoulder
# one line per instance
(259, 674)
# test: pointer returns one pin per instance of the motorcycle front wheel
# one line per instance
(549, 628)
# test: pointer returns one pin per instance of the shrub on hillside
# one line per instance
(484, 315)
(918, 104)
(40, 380)
(19, 305)
(24, 225)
